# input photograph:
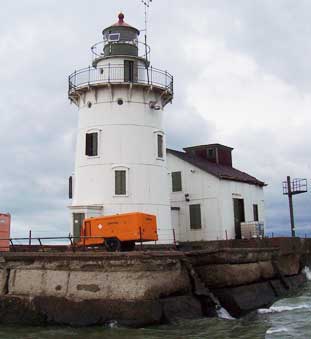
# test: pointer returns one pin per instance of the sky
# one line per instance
(242, 78)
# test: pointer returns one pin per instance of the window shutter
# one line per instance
(135, 72)
(70, 187)
(127, 70)
(120, 182)
(160, 146)
(88, 144)
(195, 216)
(95, 144)
(176, 182)
(91, 144)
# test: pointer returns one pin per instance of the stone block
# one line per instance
(244, 299)
(216, 276)
(182, 307)
(3, 281)
(289, 264)
(126, 285)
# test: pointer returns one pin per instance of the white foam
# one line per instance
(224, 314)
(277, 330)
(279, 309)
(307, 272)
(112, 324)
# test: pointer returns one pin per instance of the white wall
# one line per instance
(216, 199)
(127, 140)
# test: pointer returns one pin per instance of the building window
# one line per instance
(70, 188)
(176, 182)
(120, 182)
(255, 211)
(91, 144)
(195, 217)
(211, 153)
(160, 145)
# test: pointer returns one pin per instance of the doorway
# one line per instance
(175, 213)
(239, 216)
(78, 219)
(130, 71)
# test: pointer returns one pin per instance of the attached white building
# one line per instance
(210, 199)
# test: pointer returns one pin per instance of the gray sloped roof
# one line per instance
(220, 171)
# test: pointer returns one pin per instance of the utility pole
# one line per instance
(290, 188)
(291, 208)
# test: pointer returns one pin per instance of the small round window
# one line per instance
(120, 102)
(89, 104)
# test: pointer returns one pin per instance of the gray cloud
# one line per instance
(228, 58)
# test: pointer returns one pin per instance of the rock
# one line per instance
(296, 281)
(239, 301)
(60, 311)
(289, 264)
(183, 307)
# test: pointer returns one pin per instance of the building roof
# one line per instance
(207, 146)
(219, 171)
(122, 23)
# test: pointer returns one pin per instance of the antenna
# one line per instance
(146, 3)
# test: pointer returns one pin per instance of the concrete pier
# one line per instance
(147, 288)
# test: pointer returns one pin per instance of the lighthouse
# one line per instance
(120, 161)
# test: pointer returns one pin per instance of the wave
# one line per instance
(112, 324)
(224, 314)
(277, 330)
(279, 309)
(307, 272)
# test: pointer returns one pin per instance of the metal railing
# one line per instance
(77, 243)
(116, 74)
(98, 50)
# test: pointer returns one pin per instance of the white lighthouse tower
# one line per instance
(120, 163)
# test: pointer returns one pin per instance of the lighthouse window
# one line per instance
(160, 145)
(91, 144)
(120, 182)
(114, 37)
(70, 188)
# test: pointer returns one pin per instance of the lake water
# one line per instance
(287, 318)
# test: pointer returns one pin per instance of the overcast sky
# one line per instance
(242, 78)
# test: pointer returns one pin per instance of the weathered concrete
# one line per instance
(216, 276)
(289, 264)
(88, 285)
(147, 288)
(244, 299)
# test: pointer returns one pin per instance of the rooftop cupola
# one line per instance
(120, 39)
(217, 153)
(119, 59)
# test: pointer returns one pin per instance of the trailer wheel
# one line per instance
(128, 246)
(112, 244)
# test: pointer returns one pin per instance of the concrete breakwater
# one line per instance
(147, 288)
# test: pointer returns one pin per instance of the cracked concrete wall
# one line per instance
(109, 280)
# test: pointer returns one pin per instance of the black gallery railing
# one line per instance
(116, 74)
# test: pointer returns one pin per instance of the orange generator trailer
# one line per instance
(118, 232)
(5, 224)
